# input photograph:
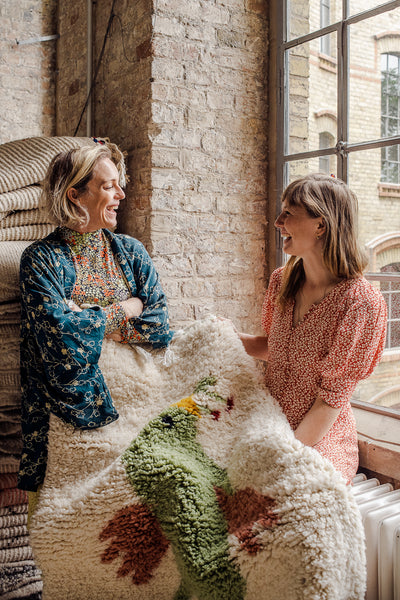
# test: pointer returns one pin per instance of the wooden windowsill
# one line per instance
(380, 457)
(327, 62)
(389, 190)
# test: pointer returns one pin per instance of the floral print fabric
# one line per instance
(338, 342)
(99, 279)
(60, 348)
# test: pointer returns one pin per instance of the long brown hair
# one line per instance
(330, 198)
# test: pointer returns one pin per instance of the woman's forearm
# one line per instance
(316, 423)
(255, 345)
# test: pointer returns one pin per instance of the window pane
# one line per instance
(305, 17)
(378, 203)
(299, 168)
(390, 165)
(382, 388)
(374, 86)
(393, 103)
(311, 110)
(357, 6)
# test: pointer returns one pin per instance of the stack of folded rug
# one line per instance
(23, 164)
(10, 395)
(19, 576)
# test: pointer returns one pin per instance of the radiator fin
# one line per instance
(379, 505)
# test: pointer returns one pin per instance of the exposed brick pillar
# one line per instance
(182, 88)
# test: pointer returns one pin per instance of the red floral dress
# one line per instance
(338, 342)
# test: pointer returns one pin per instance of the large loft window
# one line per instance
(390, 119)
(352, 94)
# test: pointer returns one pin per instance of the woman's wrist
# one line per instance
(255, 345)
(133, 307)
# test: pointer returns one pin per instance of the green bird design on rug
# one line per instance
(170, 471)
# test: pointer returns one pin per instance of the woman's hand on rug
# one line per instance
(133, 307)
(316, 423)
(115, 335)
(255, 345)
(72, 306)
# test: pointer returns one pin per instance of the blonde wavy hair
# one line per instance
(330, 198)
(74, 169)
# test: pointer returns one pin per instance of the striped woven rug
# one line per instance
(25, 198)
(24, 162)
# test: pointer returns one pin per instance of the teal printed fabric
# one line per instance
(60, 348)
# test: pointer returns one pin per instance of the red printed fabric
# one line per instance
(337, 343)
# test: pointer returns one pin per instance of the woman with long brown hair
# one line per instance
(324, 323)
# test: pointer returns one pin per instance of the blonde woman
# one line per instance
(78, 285)
(324, 323)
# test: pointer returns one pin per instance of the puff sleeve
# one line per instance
(269, 304)
(356, 348)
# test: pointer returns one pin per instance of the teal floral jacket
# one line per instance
(60, 348)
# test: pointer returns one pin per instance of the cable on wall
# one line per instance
(122, 40)
(110, 20)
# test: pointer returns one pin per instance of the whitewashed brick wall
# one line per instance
(190, 109)
(182, 89)
(27, 71)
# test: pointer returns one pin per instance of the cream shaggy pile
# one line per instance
(210, 499)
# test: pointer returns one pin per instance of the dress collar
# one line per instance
(75, 238)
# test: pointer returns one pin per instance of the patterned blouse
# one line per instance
(99, 280)
(60, 348)
(336, 344)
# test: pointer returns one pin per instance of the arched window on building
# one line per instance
(325, 19)
(390, 116)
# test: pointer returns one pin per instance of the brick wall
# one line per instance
(209, 157)
(27, 71)
(71, 88)
(183, 91)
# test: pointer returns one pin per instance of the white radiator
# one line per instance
(380, 510)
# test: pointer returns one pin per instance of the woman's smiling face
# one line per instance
(299, 230)
(102, 196)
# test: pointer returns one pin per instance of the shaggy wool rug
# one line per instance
(199, 490)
